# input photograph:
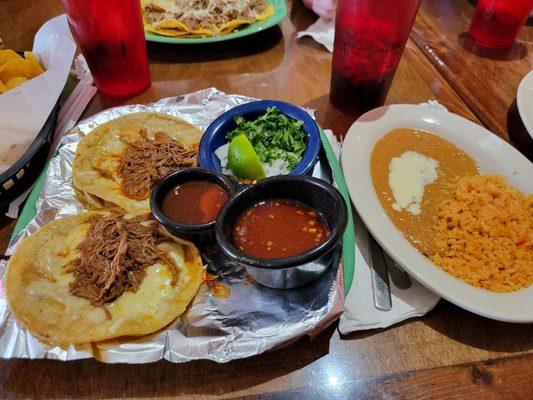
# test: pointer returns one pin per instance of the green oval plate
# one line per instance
(280, 11)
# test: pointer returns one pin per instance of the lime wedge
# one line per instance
(243, 160)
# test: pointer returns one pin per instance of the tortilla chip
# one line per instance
(15, 67)
(234, 24)
(19, 67)
(31, 57)
(269, 11)
(15, 81)
(6, 55)
(175, 24)
(171, 32)
(38, 292)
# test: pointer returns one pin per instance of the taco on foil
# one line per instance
(117, 163)
(100, 275)
(202, 18)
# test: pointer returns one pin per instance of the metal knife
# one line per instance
(398, 276)
(380, 276)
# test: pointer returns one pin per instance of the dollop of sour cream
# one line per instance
(408, 176)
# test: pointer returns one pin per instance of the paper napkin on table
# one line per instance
(359, 310)
(25, 109)
(323, 31)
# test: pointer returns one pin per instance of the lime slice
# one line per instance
(243, 160)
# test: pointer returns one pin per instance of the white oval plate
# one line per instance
(524, 101)
(494, 156)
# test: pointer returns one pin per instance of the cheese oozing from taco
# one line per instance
(100, 275)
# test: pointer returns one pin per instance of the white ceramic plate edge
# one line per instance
(493, 155)
(524, 101)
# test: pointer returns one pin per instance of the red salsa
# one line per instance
(195, 202)
(278, 229)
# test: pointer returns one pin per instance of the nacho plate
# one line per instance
(280, 11)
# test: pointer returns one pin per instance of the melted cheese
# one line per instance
(38, 288)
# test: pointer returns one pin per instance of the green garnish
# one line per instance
(273, 136)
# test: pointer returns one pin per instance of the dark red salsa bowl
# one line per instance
(199, 233)
(300, 269)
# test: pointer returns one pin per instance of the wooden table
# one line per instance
(449, 353)
(485, 79)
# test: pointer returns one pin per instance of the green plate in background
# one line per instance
(280, 11)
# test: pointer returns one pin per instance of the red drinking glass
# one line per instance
(496, 23)
(370, 36)
(110, 35)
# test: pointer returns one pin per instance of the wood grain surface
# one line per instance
(449, 353)
(486, 79)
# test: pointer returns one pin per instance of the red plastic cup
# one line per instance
(496, 23)
(370, 36)
(110, 35)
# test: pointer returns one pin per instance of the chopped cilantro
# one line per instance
(273, 136)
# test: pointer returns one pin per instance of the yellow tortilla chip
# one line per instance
(36, 69)
(269, 11)
(175, 24)
(15, 81)
(171, 24)
(19, 67)
(234, 24)
(6, 55)
(2, 87)
(226, 31)
(15, 67)
(171, 32)
(32, 57)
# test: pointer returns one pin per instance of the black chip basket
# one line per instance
(21, 175)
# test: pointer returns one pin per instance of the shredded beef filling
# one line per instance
(114, 256)
(147, 160)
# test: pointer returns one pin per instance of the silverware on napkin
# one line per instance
(398, 276)
(380, 276)
(382, 266)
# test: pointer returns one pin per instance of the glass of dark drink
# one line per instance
(496, 23)
(370, 36)
(110, 35)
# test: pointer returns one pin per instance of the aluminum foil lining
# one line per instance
(252, 320)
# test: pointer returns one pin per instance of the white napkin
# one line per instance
(323, 31)
(359, 310)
